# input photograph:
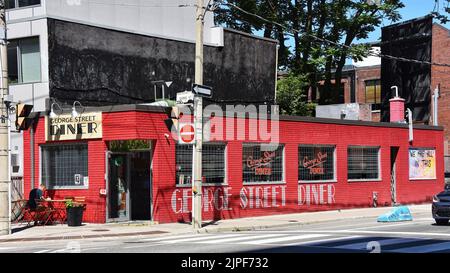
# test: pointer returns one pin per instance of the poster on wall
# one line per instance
(422, 164)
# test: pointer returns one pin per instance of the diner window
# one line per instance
(316, 163)
(363, 163)
(213, 163)
(373, 93)
(263, 163)
(24, 60)
(12, 4)
(65, 166)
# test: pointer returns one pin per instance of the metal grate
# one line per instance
(316, 163)
(213, 163)
(61, 163)
(262, 163)
(363, 163)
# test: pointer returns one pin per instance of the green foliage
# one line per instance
(129, 145)
(71, 204)
(323, 32)
(292, 98)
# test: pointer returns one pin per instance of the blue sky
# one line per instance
(412, 9)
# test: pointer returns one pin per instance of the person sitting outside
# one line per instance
(33, 200)
(36, 194)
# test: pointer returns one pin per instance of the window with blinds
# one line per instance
(363, 163)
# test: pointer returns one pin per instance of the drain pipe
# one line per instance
(436, 105)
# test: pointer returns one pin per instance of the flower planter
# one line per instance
(74, 216)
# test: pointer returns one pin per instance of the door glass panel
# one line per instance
(118, 187)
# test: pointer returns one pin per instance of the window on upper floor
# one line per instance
(12, 4)
(24, 60)
(373, 93)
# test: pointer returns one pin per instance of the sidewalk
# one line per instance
(136, 229)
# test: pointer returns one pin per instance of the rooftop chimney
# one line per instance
(397, 106)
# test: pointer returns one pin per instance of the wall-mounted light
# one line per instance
(52, 110)
(74, 109)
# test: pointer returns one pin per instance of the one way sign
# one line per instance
(202, 90)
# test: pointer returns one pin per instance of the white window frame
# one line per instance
(41, 167)
(19, 61)
(225, 179)
(283, 162)
(16, 4)
(379, 179)
(334, 180)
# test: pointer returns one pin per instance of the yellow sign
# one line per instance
(66, 127)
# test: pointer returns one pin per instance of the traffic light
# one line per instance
(174, 117)
(23, 120)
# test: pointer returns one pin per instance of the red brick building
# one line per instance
(440, 76)
(123, 160)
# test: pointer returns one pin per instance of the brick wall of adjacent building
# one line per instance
(440, 75)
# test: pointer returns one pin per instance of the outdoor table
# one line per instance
(56, 210)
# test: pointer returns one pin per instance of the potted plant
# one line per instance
(74, 212)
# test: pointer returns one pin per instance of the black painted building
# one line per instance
(99, 66)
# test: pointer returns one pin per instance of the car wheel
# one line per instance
(441, 222)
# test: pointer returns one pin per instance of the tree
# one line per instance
(291, 96)
(316, 27)
(443, 14)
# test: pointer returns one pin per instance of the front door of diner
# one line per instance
(129, 186)
(118, 187)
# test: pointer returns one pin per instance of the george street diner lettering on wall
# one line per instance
(66, 127)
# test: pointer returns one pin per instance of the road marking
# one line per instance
(168, 237)
(196, 238)
(43, 251)
(284, 239)
(378, 232)
(242, 237)
(324, 240)
(143, 246)
(424, 248)
(382, 243)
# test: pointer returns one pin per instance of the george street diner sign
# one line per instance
(66, 127)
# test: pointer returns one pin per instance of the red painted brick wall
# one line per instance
(343, 194)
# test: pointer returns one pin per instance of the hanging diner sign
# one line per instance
(66, 127)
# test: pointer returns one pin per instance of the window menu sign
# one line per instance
(66, 127)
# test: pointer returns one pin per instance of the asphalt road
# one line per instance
(343, 236)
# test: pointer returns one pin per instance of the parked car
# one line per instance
(441, 206)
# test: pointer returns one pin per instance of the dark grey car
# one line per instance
(441, 206)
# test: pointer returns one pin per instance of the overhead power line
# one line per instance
(324, 40)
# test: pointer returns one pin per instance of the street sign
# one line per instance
(202, 90)
(185, 97)
(186, 133)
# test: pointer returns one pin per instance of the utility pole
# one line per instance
(198, 122)
(5, 224)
